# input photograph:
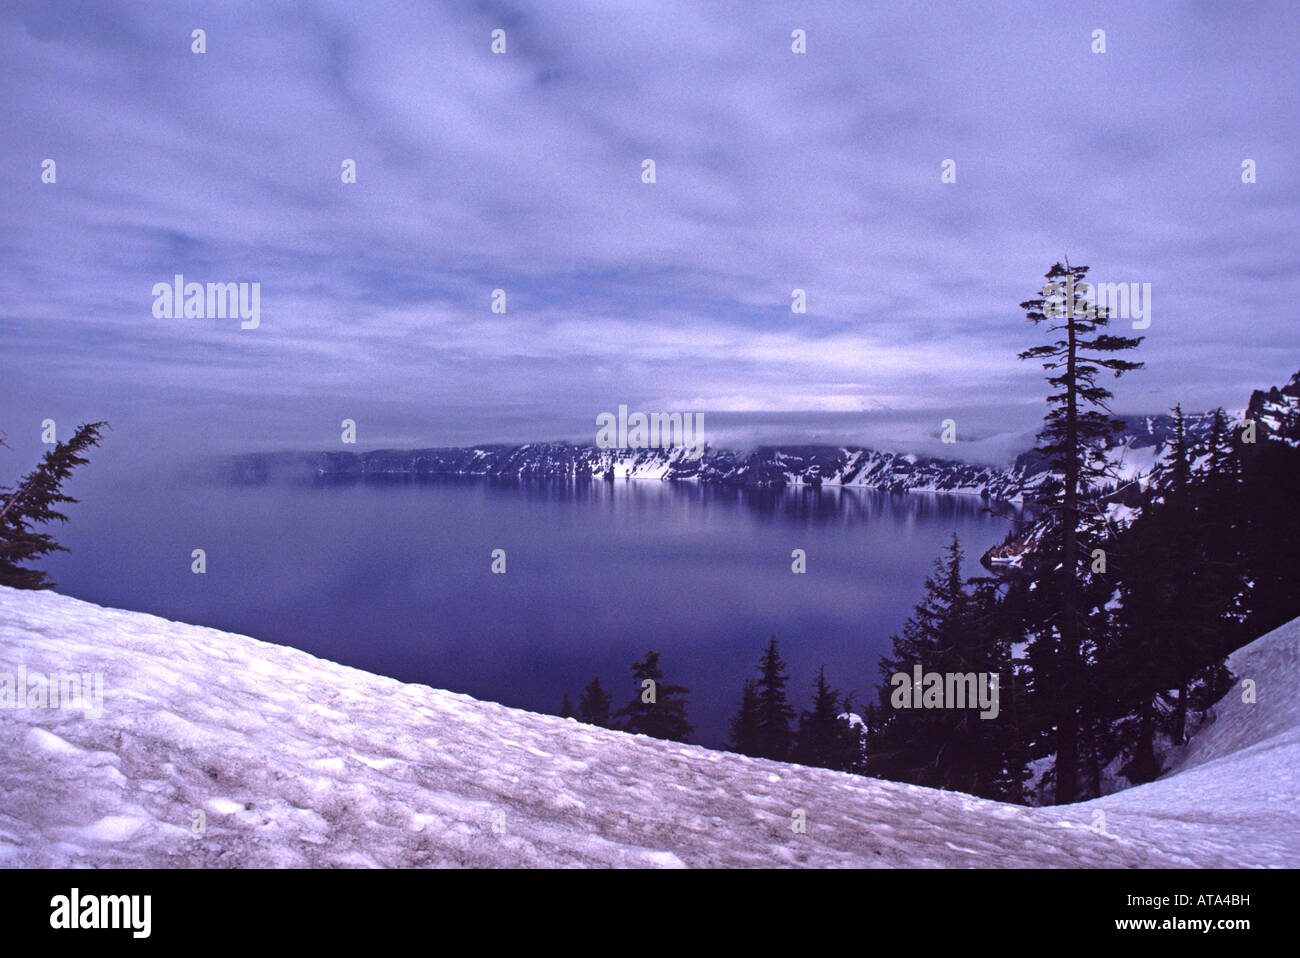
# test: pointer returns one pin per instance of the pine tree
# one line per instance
(659, 709)
(1078, 423)
(904, 744)
(33, 502)
(956, 629)
(999, 761)
(1192, 618)
(1217, 492)
(743, 734)
(854, 737)
(1178, 596)
(593, 705)
(775, 716)
(566, 706)
(1270, 521)
(1222, 473)
(824, 740)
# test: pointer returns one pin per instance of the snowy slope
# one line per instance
(1243, 768)
(300, 762)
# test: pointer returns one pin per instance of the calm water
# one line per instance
(395, 578)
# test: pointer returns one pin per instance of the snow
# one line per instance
(216, 750)
(1238, 780)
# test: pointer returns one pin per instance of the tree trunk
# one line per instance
(1180, 715)
(1143, 768)
(1067, 729)
(1094, 756)
(19, 494)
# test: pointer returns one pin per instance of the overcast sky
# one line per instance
(523, 171)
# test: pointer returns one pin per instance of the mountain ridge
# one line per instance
(1134, 449)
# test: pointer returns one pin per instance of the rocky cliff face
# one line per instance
(1276, 412)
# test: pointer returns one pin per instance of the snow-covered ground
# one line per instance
(295, 761)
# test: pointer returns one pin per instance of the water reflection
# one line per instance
(393, 575)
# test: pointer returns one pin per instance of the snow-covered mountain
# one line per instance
(215, 750)
(1133, 453)
(1277, 411)
(763, 467)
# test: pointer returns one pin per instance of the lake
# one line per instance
(395, 577)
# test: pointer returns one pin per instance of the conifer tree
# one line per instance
(854, 736)
(953, 630)
(999, 762)
(566, 706)
(1195, 614)
(1270, 520)
(593, 705)
(1221, 519)
(906, 743)
(743, 732)
(34, 502)
(775, 715)
(825, 740)
(659, 709)
(1177, 601)
(1076, 427)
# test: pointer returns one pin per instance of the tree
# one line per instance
(743, 734)
(1198, 592)
(1270, 494)
(566, 706)
(32, 503)
(854, 735)
(906, 743)
(998, 746)
(593, 705)
(659, 709)
(1078, 422)
(1217, 491)
(825, 740)
(957, 630)
(1179, 592)
(775, 716)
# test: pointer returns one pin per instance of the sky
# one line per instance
(523, 171)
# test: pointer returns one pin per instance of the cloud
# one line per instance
(522, 172)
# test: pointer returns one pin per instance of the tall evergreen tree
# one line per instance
(34, 502)
(1078, 423)
(1197, 592)
(999, 768)
(952, 631)
(1221, 516)
(659, 709)
(775, 715)
(593, 705)
(743, 732)
(905, 744)
(854, 737)
(1270, 519)
(1177, 600)
(825, 740)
